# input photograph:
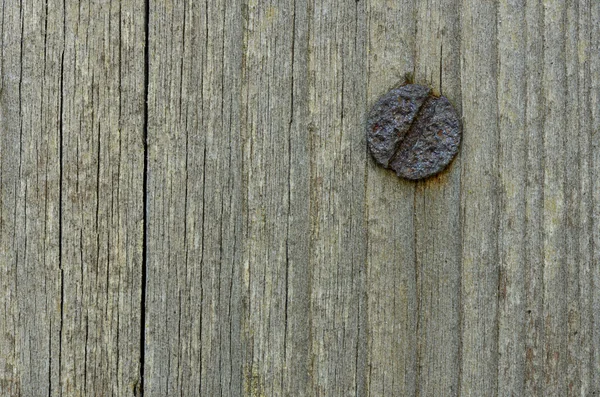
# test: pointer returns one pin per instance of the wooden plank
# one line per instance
(276, 274)
(102, 69)
(534, 111)
(593, 96)
(391, 290)
(583, 336)
(512, 152)
(554, 205)
(72, 120)
(479, 200)
(574, 201)
(337, 55)
(297, 379)
(437, 213)
(234, 237)
(269, 104)
(29, 199)
(192, 330)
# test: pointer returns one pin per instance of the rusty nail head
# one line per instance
(413, 132)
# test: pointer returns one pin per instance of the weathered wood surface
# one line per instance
(187, 206)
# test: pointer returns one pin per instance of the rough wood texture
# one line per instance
(188, 207)
(194, 200)
(72, 197)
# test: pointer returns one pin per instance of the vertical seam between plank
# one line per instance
(60, 199)
(144, 277)
(289, 198)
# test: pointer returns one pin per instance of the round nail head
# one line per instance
(413, 132)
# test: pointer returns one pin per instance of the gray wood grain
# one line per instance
(436, 213)
(338, 164)
(188, 206)
(194, 206)
(269, 102)
(101, 125)
(30, 279)
(296, 375)
(555, 203)
(72, 194)
(592, 312)
(533, 202)
(479, 200)
(512, 155)
(391, 287)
